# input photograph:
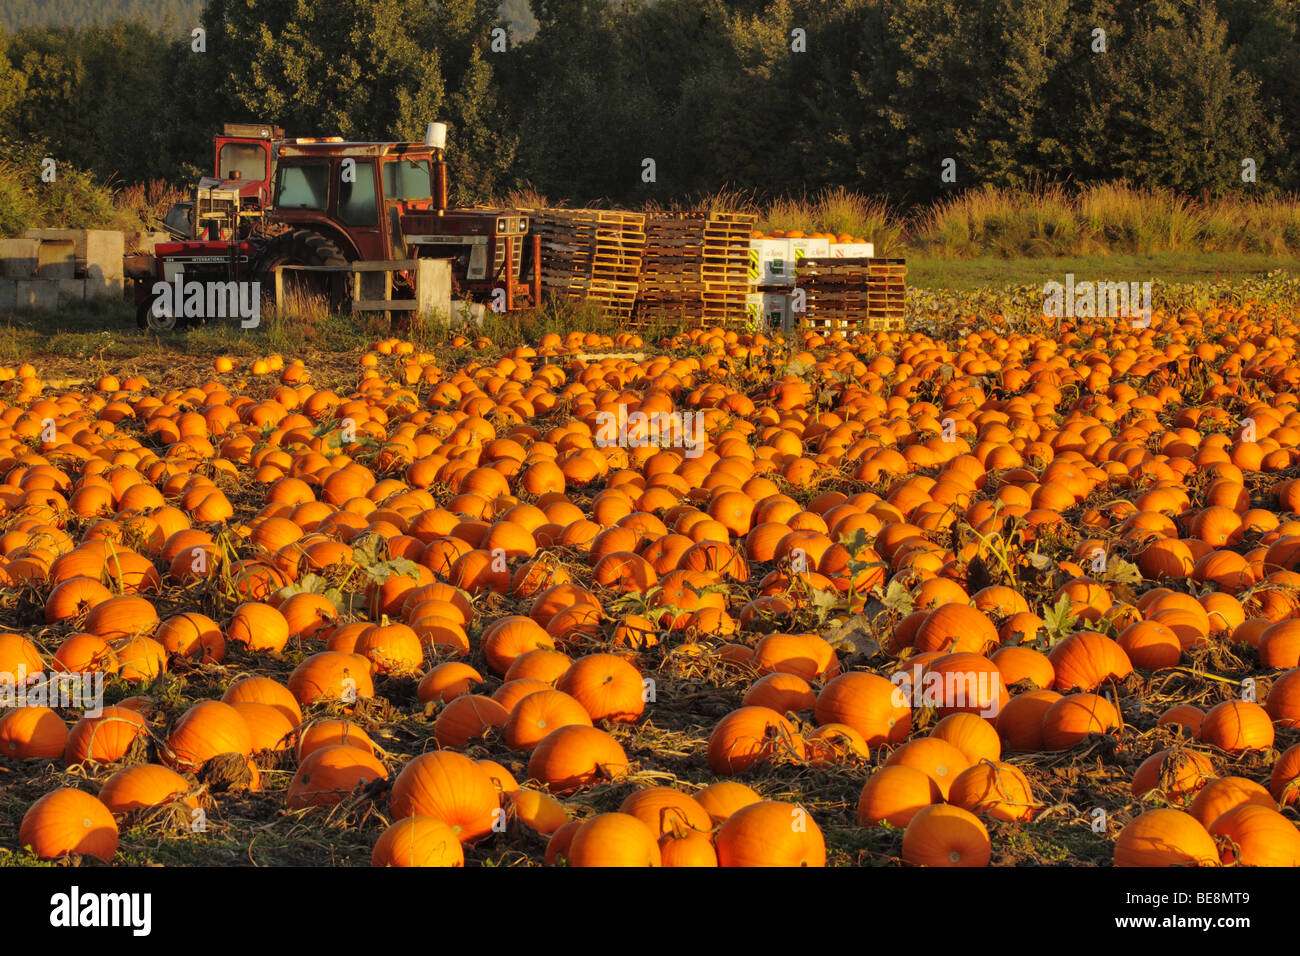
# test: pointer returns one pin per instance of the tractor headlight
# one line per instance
(523, 225)
(502, 225)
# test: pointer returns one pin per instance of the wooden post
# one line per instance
(537, 270)
(510, 273)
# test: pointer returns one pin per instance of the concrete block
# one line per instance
(100, 286)
(102, 247)
(56, 259)
(68, 291)
(104, 250)
(464, 312)
(433, 287)
(77, 236)
(18, 258)
(8, 294)
(37, 294)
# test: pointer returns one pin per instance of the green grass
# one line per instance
(102, 338)
(103, 335)
(928, 272)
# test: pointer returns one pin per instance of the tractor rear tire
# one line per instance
(299, 247)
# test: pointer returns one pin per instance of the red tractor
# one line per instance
(324, 202)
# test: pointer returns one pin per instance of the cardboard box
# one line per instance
(754, 310)
(801, 249)
(770, 262)
(776, 311)
(853, 250)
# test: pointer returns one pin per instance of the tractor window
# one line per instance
(247, 159)
(407, 179)
(304, 187)
(357, 206)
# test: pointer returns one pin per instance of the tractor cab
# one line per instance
(384, 201)
(353, 193)
(230, 204)
(244, 160)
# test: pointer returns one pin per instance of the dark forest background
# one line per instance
(771, 97)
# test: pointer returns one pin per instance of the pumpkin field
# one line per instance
(998, 594)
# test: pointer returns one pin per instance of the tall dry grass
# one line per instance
(838, 211)
(1101, 219)
(145, 204)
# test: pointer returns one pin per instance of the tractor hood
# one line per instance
(457, 225)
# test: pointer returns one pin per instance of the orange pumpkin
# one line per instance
(870, 704)
(942, 835)
(32, 733)
(894, 794)
(614, 839)
(1165, 837)
(770, 833)
(418, 841)
(69, 821)
(750, 735)
(666, 810)
(144, 786)
(449, 787)
(331, 675)
(576, 756)
(465, 718)
(103, 739)
(1237, 726)
(606, 686)
(1255, 835)
(332, 773)
(206, 730)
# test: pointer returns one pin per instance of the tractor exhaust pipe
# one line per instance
(435, 137)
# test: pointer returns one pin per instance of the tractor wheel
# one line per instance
(299, 247)
(146, 318)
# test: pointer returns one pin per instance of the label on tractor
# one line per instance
(446, 240)
(189, 259)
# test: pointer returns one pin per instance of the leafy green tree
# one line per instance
(13, 87)
(79, 14)
(586, 120)
(361, 69)
(481, 140)
(1014, 130)
(1265, 35)
(1168, 107)
(86, 95)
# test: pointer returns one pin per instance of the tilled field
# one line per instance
(1004, 597)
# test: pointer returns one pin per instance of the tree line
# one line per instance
(632, 102)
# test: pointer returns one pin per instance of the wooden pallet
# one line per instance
(853, 294)
(696, 267)
(592, 254)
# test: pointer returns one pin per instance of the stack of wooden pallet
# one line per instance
(853, 294)
(696, 268)
(592, 254)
